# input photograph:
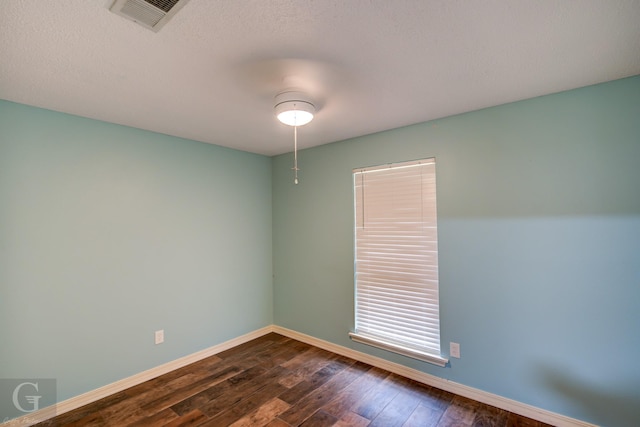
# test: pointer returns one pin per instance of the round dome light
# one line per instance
(294, 108)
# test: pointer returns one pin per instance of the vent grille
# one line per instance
(164, 5)
(151, 14)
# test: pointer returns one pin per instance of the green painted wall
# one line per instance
(539, 246)
(108, 233)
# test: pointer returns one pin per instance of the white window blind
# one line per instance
(396, 259)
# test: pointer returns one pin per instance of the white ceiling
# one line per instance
(211, 73)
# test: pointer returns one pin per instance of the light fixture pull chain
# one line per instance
(295, 154)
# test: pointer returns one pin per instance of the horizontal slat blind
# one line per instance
(397, 255)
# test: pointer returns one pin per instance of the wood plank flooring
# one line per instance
(275, 381)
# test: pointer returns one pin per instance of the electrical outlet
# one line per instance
(160, 336)
(454, 350)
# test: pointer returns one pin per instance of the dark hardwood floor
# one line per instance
(279, 382)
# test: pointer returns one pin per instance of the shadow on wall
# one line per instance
(615, 406)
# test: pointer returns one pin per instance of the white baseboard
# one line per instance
(431, 380)
(109, 389)
(441, 383)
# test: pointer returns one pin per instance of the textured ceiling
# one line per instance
(210, 74)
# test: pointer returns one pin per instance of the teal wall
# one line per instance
(539, 246)
(108, 233)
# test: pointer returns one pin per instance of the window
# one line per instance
(396, 259)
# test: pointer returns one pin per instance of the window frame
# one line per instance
(404, 217)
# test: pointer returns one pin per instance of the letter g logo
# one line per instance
(34, 400)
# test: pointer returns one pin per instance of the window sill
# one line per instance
(414, 354)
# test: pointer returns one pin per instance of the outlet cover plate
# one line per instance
(454, 350)
(159, 336)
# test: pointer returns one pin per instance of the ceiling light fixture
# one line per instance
(294, 108)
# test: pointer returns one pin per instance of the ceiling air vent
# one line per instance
(151, 14)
